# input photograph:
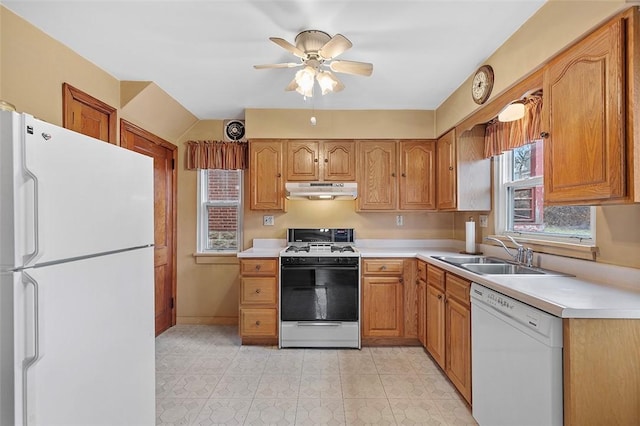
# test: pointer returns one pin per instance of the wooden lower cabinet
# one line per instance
(422, 302)
(259, 301)
(448, 326)
(389, 301)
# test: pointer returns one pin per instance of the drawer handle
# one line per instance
(258, 267)
(257, 291)
(383, 268)
(258, 323)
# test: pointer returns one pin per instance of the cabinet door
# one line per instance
(338, 161)
(265, 171)
(446, 171)
(422, 312)
(377, 175)
(303, 160)
(435, 324)
(583, 113)
(458, 346)
(382, 311)
(417, 175)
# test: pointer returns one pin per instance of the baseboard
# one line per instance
(208, 320)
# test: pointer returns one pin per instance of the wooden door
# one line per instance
(303, 160)
(338, 161)
(377, 175)
(382, 312)
(435, 324)
(422, 312)
(417, 175)
(85, 114)
(446, 171)
(458, 346)
(584, 153)
(164, 156)
(265, 175)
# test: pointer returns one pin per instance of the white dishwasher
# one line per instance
(516, 355)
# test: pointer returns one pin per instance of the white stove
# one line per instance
(319, 291)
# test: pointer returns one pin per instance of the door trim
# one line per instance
(70, 93)
(130, 127)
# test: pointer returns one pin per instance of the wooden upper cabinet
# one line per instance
(463, 174)
(377, 175)
(303, 160)
(339, 161)
(417, 175)
(447, 171)
(265, 175)
(584, 119)
(321, 161)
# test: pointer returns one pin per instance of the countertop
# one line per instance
(562, 296)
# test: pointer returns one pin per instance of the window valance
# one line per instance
(216, 155)
(500, 137)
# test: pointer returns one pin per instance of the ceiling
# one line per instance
(202, 52)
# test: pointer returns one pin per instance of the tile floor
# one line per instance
(205, 377)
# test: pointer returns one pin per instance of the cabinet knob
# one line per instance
(439, 297)
(401, 280)
(315, 160)
(279, 175)
(404, 175)
(393, 175)
(450, 167)
(544, 135)
(258, 267)
(258, 323)
(257, 291)
(326, 160)
(383, 268)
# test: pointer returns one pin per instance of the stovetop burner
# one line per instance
(321, 242)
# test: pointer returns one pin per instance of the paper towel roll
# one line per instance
(470, 230)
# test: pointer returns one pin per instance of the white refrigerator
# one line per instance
(76, 279)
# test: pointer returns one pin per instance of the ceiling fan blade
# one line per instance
(292, 86)
(352, 67)
(288, 46)
(284, 65)
(334, 47)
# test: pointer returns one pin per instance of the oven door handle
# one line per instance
(344, 268)
(319, 324)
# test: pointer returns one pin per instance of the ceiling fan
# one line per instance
(316, 50)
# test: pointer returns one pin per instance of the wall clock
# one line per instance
(482, 84)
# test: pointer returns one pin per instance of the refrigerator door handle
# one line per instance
(36, 237)
(30, 361)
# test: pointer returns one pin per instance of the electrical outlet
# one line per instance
(399, 220)
(267, 220)
(484, 221)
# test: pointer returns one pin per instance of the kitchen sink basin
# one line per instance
(459, 260)
(486, 265)
(502, 269)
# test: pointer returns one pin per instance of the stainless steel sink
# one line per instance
(459, 260)
(501, 269)
(486, 265)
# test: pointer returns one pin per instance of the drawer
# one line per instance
(435, 277)
(422, 270)
(259, 267)
(382, 266)
(258, 290)
(458, 288)
(258, 322)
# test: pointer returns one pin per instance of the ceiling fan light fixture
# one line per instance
(327, 82)
(305, 79)
(512, 112)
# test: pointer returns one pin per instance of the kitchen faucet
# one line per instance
(522, 256)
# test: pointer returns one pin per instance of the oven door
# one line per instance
(319, 292)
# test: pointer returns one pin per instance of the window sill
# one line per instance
(558, 248)
(216, 258)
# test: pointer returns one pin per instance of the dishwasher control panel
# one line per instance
(526, 315)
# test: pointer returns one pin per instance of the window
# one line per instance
(520, 201)
(220, 211)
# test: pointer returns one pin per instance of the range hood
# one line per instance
(321, 190)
